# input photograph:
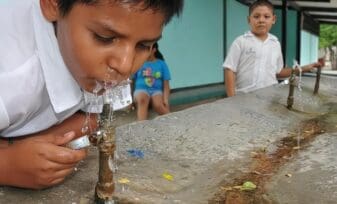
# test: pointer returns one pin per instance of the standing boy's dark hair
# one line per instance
(260, 3)
(168, 7)
(157, 54)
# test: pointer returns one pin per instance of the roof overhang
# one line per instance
(322, 11)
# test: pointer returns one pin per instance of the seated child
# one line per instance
(151, 85)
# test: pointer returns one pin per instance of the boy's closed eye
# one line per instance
(145, 46)
(104, 39)
(111, 39)
(265, 16)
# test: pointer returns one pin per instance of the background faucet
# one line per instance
(318, 77)
(292, 84)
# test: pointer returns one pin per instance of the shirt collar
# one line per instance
(62, 88)
(270, 36)
(248, 34)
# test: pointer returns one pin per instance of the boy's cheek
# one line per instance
(138, 65)
(134, 71)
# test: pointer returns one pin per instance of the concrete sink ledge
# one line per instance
(206, 146)
(192, 156)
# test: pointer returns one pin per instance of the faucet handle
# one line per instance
(94, 137)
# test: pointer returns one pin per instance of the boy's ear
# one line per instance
(274, 16)
(50, 9)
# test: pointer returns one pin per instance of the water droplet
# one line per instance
(84, 129)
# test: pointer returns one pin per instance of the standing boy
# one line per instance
(52, 50)
(254, 60)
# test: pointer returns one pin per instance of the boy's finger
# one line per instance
(60, 167)
(64, 139)
(57, 181)
(60, 175)
(63, 173)
(67, 156)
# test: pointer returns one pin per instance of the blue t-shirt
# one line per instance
(151, 75)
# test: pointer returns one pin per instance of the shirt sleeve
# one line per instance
(166, 71)
(280, 63)
(233, 56)
(4, 119)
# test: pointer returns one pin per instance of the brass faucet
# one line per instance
(292, 84)
(104, 138)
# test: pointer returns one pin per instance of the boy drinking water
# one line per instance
(51, 51)
(254, 60)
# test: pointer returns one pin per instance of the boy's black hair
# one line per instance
(260, 3)
(158, 54)
(168, 7)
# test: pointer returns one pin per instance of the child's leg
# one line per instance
(142, 103)
(158, 104)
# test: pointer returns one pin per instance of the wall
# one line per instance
(309, 47)
(236, 21)
(291, 33)
(193, 44)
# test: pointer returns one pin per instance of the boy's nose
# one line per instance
(123, 61)
(262, 19)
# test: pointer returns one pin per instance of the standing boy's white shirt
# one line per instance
(254, 62)
(36, 89)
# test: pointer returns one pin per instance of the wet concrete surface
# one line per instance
(200, 154)
(310, 177)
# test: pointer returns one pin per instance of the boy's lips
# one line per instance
(261, 28)
(101, 84)
(107, 85)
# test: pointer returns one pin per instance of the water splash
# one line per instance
(93, 106)
(299, 82)
(94, 102)
(299, 85)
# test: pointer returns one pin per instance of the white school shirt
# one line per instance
(254, 62)
(36, 89)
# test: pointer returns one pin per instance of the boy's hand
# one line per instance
(321, 62)
(166, 102)
(312, 66)
(316, 65)
(40, 161)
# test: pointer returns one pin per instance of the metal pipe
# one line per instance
(106, 144)
(292, 84)
(318, 78)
